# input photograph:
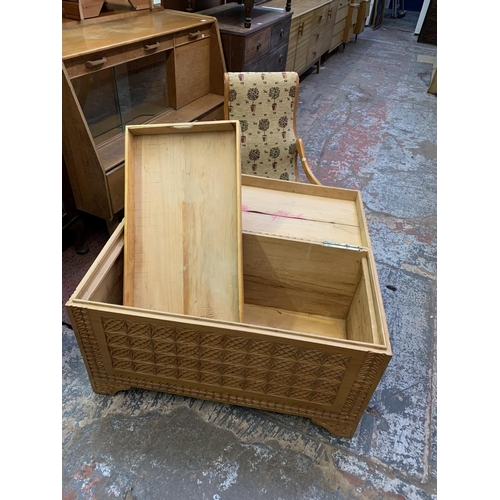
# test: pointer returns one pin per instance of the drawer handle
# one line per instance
(321, 18)
(329, 13)
(281, 58)
(259, 45)
(153, 46)
(301, 29)
(282, 32)
(94, 64)
(194, 35)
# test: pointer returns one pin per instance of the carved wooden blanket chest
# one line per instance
(313, 341)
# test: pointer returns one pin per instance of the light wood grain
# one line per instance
(361, 322)
(295, 321)
(299, 276)
(86, 39)
(182, 210)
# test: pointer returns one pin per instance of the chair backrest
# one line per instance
(265, 104)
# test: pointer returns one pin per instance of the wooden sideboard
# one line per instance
(350, 22)
(317, 28)
(161, 67)
(359, 27)
(261, 47)
(340, 24)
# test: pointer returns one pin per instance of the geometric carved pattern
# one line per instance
(260, 367)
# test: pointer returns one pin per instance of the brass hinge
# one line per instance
(342, 245)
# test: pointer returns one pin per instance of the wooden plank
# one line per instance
(295, 321)
(299, 187)
(361, 322)
(93, 278)
(299, 276)
(183, 219)
(286, 204)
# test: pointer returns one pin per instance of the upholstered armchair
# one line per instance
(266, 105)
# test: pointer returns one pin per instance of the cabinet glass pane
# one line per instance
(97, 96)
(130, 93)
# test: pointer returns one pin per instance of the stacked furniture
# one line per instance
(164, 66)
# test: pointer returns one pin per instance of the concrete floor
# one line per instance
(368, 123)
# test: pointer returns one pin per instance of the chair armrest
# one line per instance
(305, 165)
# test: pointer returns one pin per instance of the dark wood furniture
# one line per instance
(159, 67)
(261, 47)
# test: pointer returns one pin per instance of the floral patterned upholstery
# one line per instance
(265, 104)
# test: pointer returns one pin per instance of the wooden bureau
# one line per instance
(261, 47)
(159, 67)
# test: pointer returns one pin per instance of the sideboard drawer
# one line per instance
(339, 28)
(342, 13)
(97, 61)
(337, 39)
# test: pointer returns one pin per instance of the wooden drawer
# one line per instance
(343, 3)
(90, 63)
(274, 61)
(339, 27)
(342, 13)
(336, 40)
(280, 34)
(257, 46)
(193, 35)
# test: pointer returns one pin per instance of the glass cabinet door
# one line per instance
(130, 93)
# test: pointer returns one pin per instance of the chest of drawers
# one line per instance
(262, 47)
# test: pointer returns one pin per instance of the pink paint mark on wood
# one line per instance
(288, 215)
(244, 208)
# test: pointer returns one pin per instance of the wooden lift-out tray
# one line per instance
(183, 219)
